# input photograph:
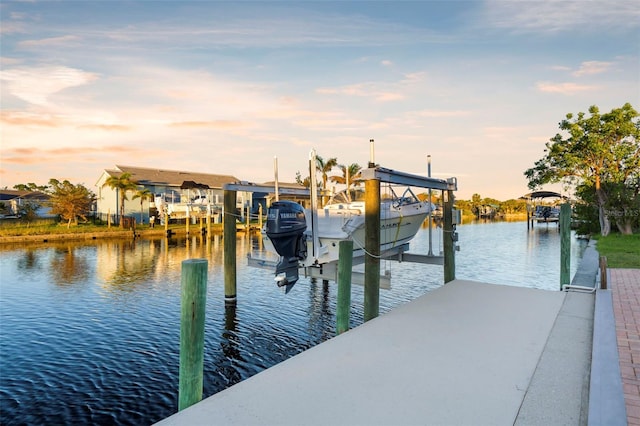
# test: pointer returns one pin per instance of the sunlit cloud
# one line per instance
(106, 127)
(215, 124)
(19, 118)
(364, 90)
(564, 88)
(36, 84)
(592, 67)
(26, 156)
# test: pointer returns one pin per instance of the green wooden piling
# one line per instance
(345, 266)
(229, 238)
(565, 244)
(372, 247)
(448, 243)
(193, 294)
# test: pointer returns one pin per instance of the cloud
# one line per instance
(555, 16)
(214, 124)
(564, 88)
(106, 127)
(429, 113)
(28, 120)
(36, 84)
(30, 155)
(592, 67)
(49, 42)
(364, 90)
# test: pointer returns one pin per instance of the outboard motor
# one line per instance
(286, 226)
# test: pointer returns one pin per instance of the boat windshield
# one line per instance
(347, 196)
(357, 194)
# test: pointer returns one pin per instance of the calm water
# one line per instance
(90, 332)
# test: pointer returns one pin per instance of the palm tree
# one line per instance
(325, 167)
(122, 184)
(143, 194)
(354, 175)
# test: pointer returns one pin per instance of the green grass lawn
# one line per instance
(622, 251)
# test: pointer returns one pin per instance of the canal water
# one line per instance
(89, 332)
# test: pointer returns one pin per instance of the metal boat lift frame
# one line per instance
(372, 279)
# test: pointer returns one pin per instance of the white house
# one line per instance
(180, 194)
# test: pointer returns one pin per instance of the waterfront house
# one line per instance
(14, 200)
(180, 194)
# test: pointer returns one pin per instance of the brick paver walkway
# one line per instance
(625, 289)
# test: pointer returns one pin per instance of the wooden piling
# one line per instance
(565, 244)
(345, 265)
(603, 272)
(193, 303)
(448, 243)
(229, 238)
(372, 248)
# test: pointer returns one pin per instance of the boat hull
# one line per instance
(398, 225)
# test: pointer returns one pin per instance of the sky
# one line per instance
(227, 87)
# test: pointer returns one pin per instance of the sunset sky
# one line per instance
(224, 87)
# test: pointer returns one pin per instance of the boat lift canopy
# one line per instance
(383, 174)
(401, 178)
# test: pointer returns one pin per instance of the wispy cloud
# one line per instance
(592, 67)
(564, 88)
(214, 124)
(26, 156)
(64, 40)
(36, 84)
(430, 113)
(555, 16)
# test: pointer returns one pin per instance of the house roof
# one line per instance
(10, 194)
(150, 176)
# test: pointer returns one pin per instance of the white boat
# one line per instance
(289, 231)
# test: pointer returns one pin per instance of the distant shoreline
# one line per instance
(101, 235)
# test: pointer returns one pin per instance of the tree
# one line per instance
(70, 201)
(306, 182)
(325, 167)
(122, 184)
(28, 212)
(143, 194)
(354, 174)
(31, 187)
(601, 150)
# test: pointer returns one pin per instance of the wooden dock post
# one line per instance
(345, 266)
(372, 248)
(229, 238)
(448, 243)
(193, 303)
(603, 272)
(565, 244)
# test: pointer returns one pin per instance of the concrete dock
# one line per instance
(468, 353)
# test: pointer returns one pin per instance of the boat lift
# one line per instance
(328, 271)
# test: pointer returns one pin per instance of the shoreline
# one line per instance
(98, 235)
